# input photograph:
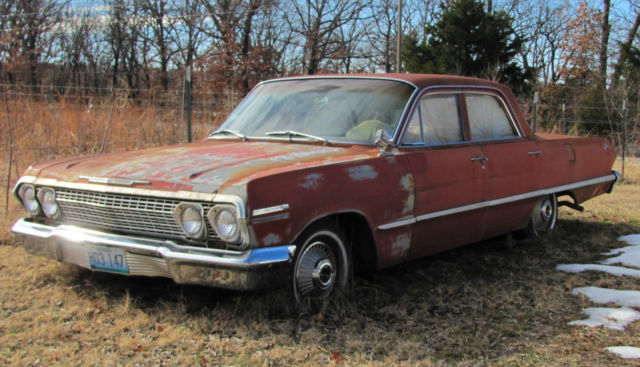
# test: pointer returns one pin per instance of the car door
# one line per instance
(510, 162)
(447, 179)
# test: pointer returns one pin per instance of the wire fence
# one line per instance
(48, 125)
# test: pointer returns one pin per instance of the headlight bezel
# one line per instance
(178, 214)
(22, 194)
(42, 200)
(214, 215)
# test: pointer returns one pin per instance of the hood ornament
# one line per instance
(115, 181)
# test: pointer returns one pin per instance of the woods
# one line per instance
(582, 55)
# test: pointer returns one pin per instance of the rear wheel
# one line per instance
(544, 216)
(322, 264)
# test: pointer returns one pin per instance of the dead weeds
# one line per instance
(499, 302)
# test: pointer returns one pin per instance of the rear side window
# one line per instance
(488, 118)
(435, 121)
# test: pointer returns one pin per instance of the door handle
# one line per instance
(482, 160)
(537, 153)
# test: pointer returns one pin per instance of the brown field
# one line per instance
(500, 302)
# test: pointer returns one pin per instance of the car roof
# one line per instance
(420, 80)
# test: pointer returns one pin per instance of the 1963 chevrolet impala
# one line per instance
(312, 177)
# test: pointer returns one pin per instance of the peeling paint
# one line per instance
(312, 181)
(408, 185)
(361, 173)
(271, 239)
(400, 246)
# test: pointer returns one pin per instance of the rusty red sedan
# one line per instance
(312, 177)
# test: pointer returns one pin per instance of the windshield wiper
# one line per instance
(292, 133)
(229, 132)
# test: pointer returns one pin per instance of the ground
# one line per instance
(500, 302)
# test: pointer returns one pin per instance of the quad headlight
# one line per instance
(190, 218)
(47, 199)
(224, 220)
(27, 194)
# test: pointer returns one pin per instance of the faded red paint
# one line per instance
(318, 180)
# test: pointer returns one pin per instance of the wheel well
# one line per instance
(358, 236)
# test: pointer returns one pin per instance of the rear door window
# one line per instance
(488, 118)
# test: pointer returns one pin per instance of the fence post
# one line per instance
(624, 133)
(563, 128)
(187, 97)
(535, 111)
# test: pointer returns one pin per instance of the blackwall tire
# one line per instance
(322, 265)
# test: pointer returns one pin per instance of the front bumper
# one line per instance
(240, 270)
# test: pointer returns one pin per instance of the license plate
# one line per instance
(107, 258)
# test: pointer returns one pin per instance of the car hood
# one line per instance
(206, 166)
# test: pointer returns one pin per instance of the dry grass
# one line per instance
(45, 130)
(499, 302)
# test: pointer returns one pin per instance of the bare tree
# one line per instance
(382, 36)
(126, 44)
(160, 23)
(625, 45)
(316, 22)
(188, 35)
(28, 34)
(543, 23)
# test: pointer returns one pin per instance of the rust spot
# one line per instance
(361, 173)
(408, 185)
(312, 181)
(400, 246)
(271, 239)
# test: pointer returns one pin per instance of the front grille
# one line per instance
(122, 213)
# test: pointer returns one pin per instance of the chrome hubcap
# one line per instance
(323, 275)
(543, 219)
(546, 210)
(316, 270)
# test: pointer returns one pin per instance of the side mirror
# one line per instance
(383, 140)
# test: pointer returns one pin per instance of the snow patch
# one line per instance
(611, 318)
(632, 239)
(603, 296)
(614, 270)
(629, 256)
(625, 352)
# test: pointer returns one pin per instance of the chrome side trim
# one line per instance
(496, 202)
(400, 223)
(270, 218)
(270, 210)
(613, 184)
(184, 195)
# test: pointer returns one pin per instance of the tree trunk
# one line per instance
(617, 69)
(604, 41)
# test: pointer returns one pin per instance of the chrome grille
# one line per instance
(122, 213)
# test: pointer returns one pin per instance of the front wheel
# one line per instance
(322, 264)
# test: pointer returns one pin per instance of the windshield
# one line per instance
(333, 109)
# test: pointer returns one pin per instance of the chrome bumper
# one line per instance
(241, 270)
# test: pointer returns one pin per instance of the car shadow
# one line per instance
(501, 293)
